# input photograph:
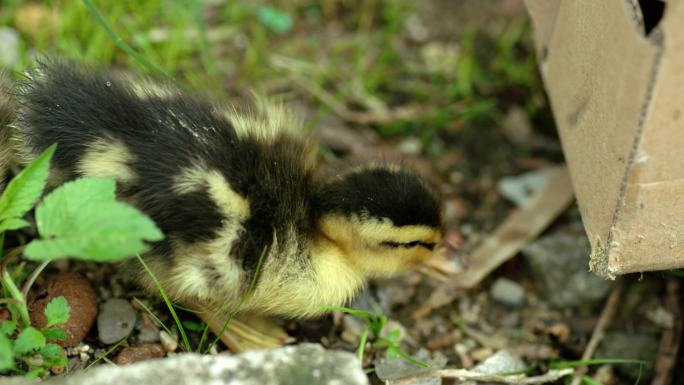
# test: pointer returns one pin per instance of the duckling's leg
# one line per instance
(246, 331)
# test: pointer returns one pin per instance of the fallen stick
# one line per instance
(600, 330)
(518, 229)
(671, 339)
(468, 375)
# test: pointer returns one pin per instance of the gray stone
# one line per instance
(501, 362)
(411, 146)
(290, 365)
(115, 320)
(396, 368)
(508, 292)
(520, 189)
(642, 347)
(9, 47)
(559, 263)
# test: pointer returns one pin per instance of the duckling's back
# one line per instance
(222, 194)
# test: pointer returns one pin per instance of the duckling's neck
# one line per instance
(337, 278)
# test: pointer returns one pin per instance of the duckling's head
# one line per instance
(383, 219)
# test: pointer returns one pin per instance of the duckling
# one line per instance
(236, 190)
(7, 112)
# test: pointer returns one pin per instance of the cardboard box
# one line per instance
(614, 73)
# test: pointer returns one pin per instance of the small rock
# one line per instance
(508, 292)
(501, 362)
(481, 354)
(392, 369)
(411, 146)
(148, 331)
(352, 328)
(168, 342)
(291, 365)
(116, 320)
(81, 298)
(139, 353)
(520, 189)
(517, 127)
(9, 47)
(630, 346)
(559, 262)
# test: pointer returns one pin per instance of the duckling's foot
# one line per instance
(246, 331)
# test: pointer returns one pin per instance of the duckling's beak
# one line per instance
(445, 260)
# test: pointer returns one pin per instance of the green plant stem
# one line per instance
(108, 352)
(149, 311)
(596, 361)
(362, 344)
(186, 342)
(17, 296)
(10, 301)
(121, 43)
(412, 360)
(32, 278)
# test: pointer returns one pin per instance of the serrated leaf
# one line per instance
(57, 311)
(53, 355)
(7, 327)
(55, 334)
(84, 221)
(24, 190)
(13, 224)
(6, 353)
(28, 340)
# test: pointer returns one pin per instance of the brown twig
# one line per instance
(468, 375)
(671, 338)
(600, 330)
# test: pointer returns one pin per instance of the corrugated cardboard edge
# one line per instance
(599, 73)
(649, 226)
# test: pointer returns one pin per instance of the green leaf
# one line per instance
(276, 20)
(57, 311)
(194, 326)
(35, 373)
(25, 189)
(55, 334)
(8, 327)
(28, 340)
(82, 219)
(6, 354)
(13, 224)
(53, 355)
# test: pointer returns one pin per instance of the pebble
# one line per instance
(559, 263)
(520, 189)
(501, 362)
(411, 146)
(508, 292)
(168, 342)
(396, 368)
(148, 331)
(115, 321)
(139, 353)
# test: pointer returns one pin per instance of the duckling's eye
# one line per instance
(408, 245)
